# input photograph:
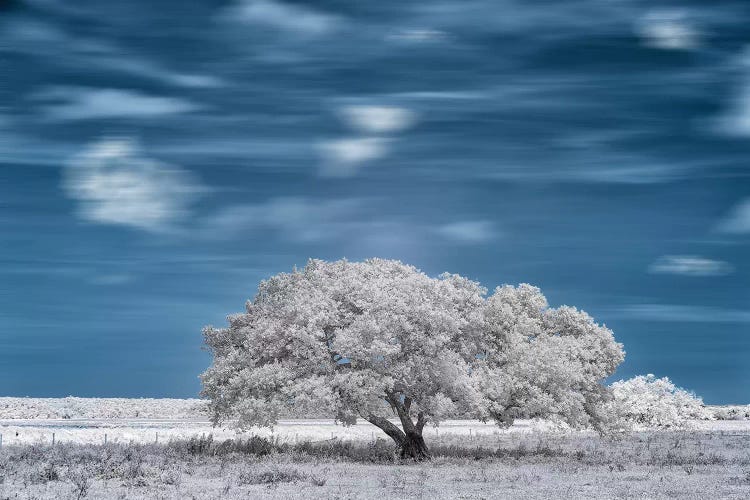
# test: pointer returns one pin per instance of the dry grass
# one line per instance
(685, 464)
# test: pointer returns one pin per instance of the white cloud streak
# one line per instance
(115, 184)
(738, 219)
(288, 17)
(344, 157)
(417, 35)
(83, 104)
(683, 313)
(668, 30)
(298, 219)
(690, 265)
(378, 119)
(467, 232)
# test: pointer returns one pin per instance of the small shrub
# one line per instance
(200, 445)
(81, 478)
(616, 467)
(255, 445)
(171, 476)
(380, 451)
(49, 472)
(271, 476)
(43, 474)
(316, 480)
(731, 412)
(653, 402)
(133, 470)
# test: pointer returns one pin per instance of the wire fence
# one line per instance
(156, 437)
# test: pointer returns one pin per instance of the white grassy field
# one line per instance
(694, 464)
(314, 458)
(93, 431)
(97, 431)
(122, 420)
(89, 420)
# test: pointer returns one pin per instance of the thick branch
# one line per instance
(421, 420)
(335, 356)
(403, 413)
(389, 428)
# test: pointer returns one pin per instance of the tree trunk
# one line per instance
(413, 446)
(410, 439)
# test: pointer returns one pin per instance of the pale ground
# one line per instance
(530, 460)
(710, 461)
(93, 431)
(544, 481)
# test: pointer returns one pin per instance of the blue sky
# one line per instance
(158, 160)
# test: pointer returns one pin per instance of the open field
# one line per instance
(93, 431)
(97, 431)
(122, 420)
(543, 464)
(182, 456)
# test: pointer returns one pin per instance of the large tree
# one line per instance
(379, 339)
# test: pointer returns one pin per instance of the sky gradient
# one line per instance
(157, 160)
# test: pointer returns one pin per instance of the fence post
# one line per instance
(53, 439)
(105, 438)
(1, 440)
(157, 438)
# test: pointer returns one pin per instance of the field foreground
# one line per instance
(698, 463)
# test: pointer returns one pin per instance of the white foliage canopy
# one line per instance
(648, 401)
(367, 339)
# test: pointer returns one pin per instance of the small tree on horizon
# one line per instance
(380, 339)
(647, 401)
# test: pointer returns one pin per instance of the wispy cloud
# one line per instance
(353, 223)
(738, 219)
(442, 95)
(668, 29)
(344, 157)
(690, 265)
(735, 120)
(378, 119)
(417, 35)
(51, 40)
(683, 313)
(289, 17)
(351, 226)
(378, 124)
(298, 219)
(111, 279)
(117, 60)
(115, 184)
(85, 103)
(475, 231)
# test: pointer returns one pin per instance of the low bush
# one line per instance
(81, 477)
(271, 475)
(647, 401)
(731, 412)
